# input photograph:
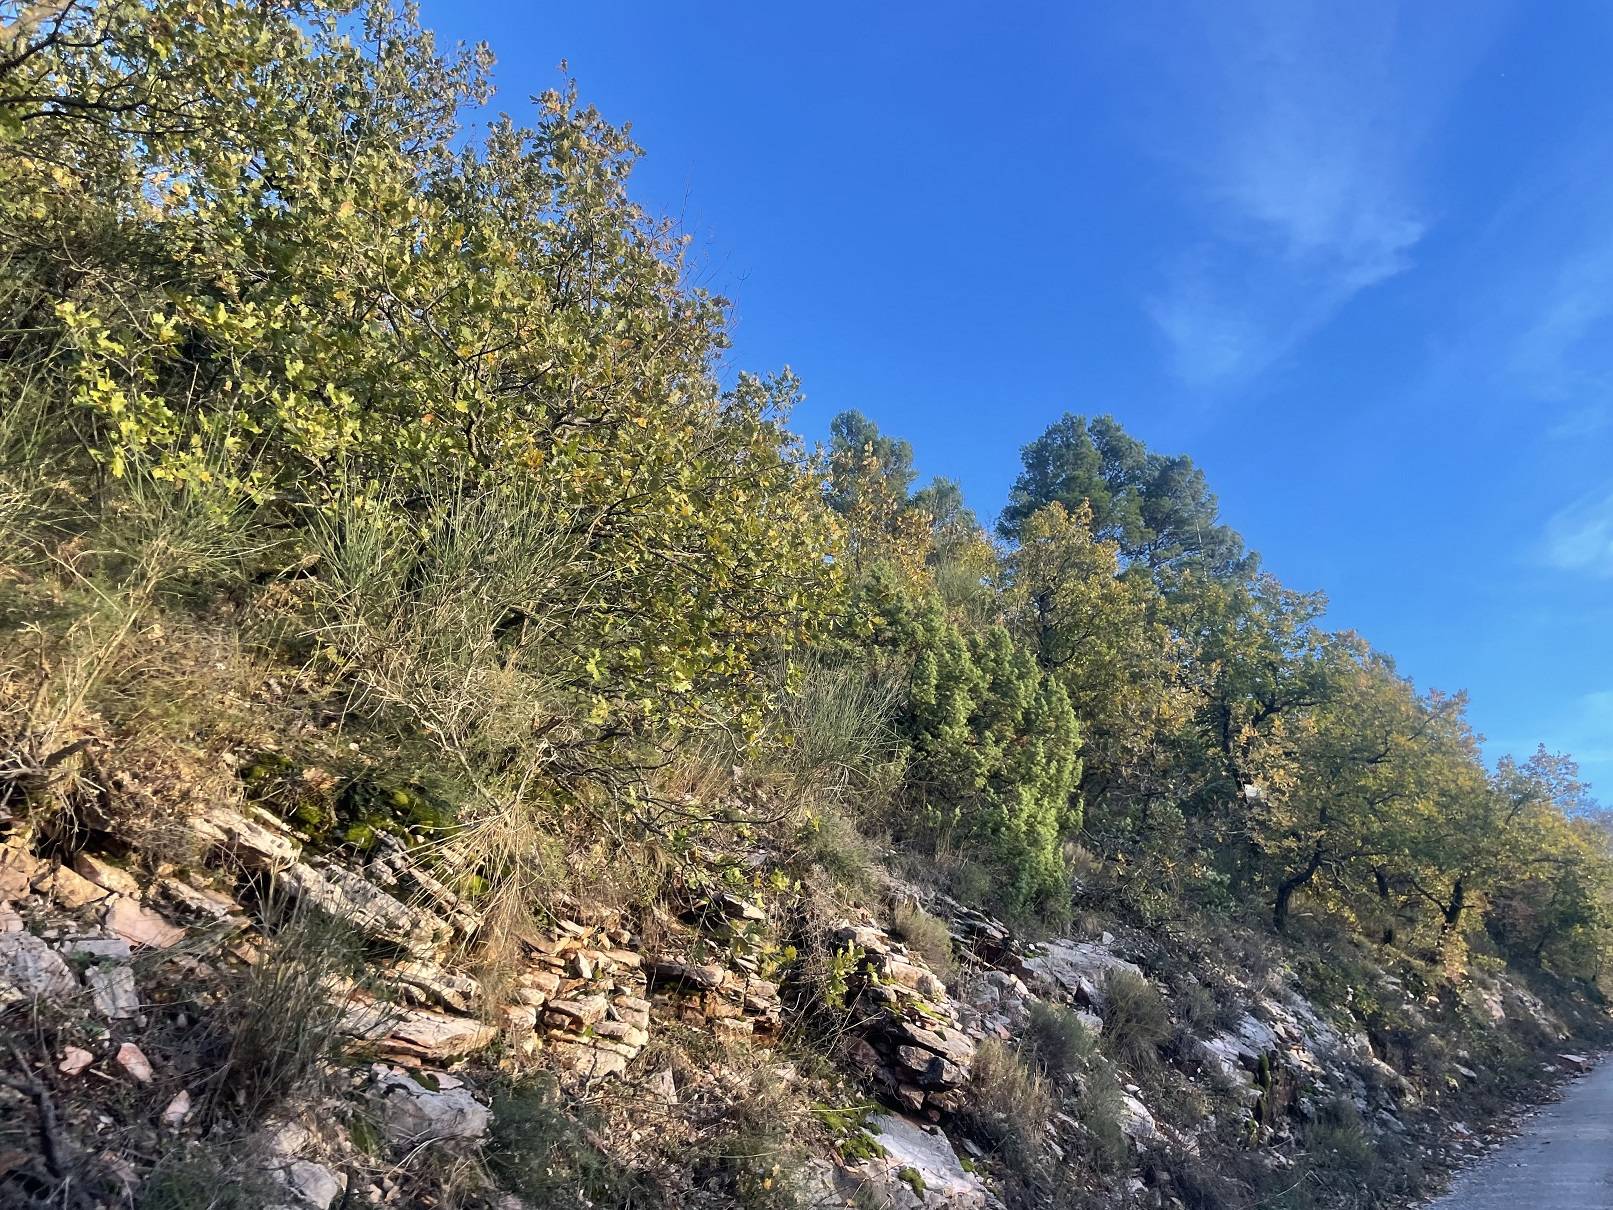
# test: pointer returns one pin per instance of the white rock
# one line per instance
(409, 1111)
(112, 987)
(910, 1145)
(368, 909)
(29, 968)
(178, 1109)
(1135, 1121)
(1079, 967)
(663, 1086)
(310, 1183)
(288, 1139)
(74, 1060)
(115, 949)
(436, 1036)
(259, 844)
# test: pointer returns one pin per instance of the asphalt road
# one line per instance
(1562, 1159)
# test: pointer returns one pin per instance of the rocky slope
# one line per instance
(150, 1005)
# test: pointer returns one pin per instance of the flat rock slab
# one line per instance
(1079, 967)
(1562, 1158)
(920, 1169)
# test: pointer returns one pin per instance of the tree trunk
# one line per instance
(1382, 878)
(1452, 915)
(1287, 887)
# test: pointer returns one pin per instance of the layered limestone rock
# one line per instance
(1077, 970)
(912, 1042)
(709, 969)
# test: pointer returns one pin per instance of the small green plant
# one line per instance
(1097, 1108)
(542, 1153)
(842, 964)
(913, 1179)
(848, 1128)
(197, 1177)
(834, 734)
(274, 1034)
(829, 840)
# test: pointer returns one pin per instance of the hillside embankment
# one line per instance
(461, 748)
(205, 995)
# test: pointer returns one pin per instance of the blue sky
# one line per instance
(1357, 260)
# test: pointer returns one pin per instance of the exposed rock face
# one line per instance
(398, 872)
(1076, 970)
(68, 888)
(258, 843)
(1135, 1120)
(29, 968)
(995, 1004)
(369, 909)
(586, 994)
(17, 872)
(436, 1037)
(310, 1184)
(140, 926)
(581, 1000)
(913, 1045)
(919, 1168)
(113, 989)
(106, 875)
(413, 1107)
(733, 998)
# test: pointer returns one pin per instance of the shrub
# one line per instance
(1011, 1106)
(199, 1177)
(1136, 1020)
(1097, 1108)
(996, 759)
(1055, 1042)
(541, 1153)
(927, 937)
(754, 1140)
(831, 841)
(1346, 1166)
(224, 337)
(274, 1034)
(833, 734)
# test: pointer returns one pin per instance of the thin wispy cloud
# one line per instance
(1561, 354)
(1299, 129)
(1579, 537)
(1524, 295)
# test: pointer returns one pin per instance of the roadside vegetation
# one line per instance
(395, 459)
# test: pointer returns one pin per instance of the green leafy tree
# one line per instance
(996, 757)
(250, 246)
(1104, 637)
(870, 476)
(1158, 510)
(1357, 759)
